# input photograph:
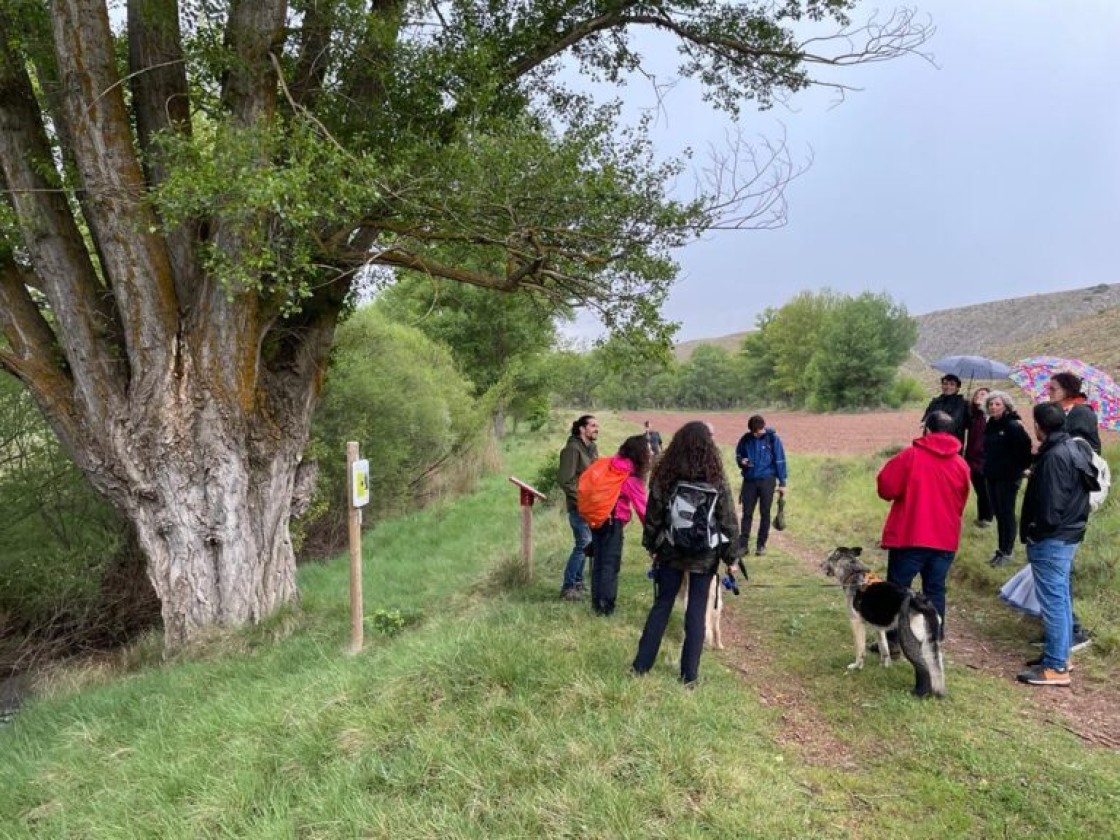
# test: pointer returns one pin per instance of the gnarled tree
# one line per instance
(192, 194)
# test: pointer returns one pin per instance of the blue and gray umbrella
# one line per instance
(972, 367)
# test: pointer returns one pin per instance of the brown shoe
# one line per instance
(1044, 676)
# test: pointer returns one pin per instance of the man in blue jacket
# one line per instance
(762, 462)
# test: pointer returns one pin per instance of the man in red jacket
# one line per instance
(927, 485)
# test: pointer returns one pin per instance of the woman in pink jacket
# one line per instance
(606, 541)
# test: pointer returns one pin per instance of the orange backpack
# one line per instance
(599, 488)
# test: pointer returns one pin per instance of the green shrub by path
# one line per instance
(499, 710)
(397, 393)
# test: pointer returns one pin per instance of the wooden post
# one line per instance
(527, 533)
(354, 523)
(528, 496)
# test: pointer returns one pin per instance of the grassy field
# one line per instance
(486, 707)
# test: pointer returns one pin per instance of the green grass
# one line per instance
(497, 710)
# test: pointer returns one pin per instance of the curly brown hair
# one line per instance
(636, 448)
(692, 455)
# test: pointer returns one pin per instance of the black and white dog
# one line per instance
(888, 606)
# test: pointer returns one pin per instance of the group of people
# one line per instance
(980, 444)
(928, 487)
(692, 456)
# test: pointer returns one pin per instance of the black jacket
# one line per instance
(657, 524)
(1081, 421)
(1007, 448)
(1056, 502)
(956, 406)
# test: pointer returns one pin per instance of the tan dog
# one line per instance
(713, 634)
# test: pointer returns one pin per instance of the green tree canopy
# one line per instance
(829, 351)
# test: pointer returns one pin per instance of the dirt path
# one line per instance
(1088, 709)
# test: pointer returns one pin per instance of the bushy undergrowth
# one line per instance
(398, 394)
(64, 553)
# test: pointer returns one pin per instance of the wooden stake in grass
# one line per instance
(528, 496)
(358, 476)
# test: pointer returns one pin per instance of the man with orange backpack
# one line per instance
(575, 457)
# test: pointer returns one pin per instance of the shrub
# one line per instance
(69, 576)
(398, 394)
(905, 389)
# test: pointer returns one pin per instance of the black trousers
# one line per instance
(606, 547)
(1002, 494)
(666, 585)
(757, 491)
(983, 500)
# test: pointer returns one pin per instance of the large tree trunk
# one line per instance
(214, 528)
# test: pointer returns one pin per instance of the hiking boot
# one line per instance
(572, 594)
(760, 551)
(1044, 676)
(983, 523)
(998, 559)
(894, 650)
(1034, 663)
(1080, 641)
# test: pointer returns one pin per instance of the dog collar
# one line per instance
(862, 578)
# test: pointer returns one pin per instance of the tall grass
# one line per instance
(496, 710)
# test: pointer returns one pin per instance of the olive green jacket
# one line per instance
(575, 457)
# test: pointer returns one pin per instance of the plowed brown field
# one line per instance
(801, 431)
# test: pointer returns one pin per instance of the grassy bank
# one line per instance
(494, 710)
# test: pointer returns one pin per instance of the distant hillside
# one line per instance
(730, 343)
(1084, 323)
(982, 328)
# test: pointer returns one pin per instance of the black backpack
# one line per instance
(692, 525)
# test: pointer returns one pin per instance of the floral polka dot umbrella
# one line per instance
(1033, 375)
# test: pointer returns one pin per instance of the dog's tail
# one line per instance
(919, 636)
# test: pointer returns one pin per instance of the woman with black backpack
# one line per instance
(692, 457)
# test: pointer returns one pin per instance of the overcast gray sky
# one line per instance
(994, 174)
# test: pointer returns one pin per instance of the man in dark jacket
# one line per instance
(575, 457)
(1052, 524)
(952, 403)
(927, 484)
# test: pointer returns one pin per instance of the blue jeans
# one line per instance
(903, 564)
(1051, 562)
(581, 535)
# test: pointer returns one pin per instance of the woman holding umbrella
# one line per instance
(1007, 455)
